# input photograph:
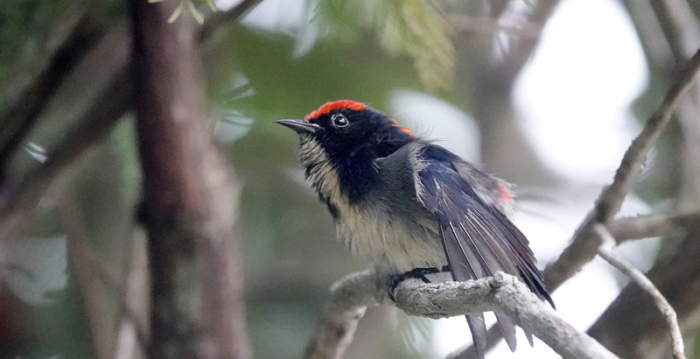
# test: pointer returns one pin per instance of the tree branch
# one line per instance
(683, 30)
(491, 27)
(524, 49)
(100, 286)
(656, 47)
(229, 16)
(501, 293)
(632, 327)
(93, 277)
(95, 124)
(349, 299)
(623, 229)
(17, 122)
(584, 245)
(607, 253)
(132, 335)
(19, 119)
(19, 200)
(650, 225)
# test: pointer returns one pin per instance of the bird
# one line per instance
(409, 207)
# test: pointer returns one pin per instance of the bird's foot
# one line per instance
(418, 273)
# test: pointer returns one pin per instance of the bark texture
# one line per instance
(190, 199)
(501, 293)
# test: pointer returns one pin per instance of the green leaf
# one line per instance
(404, 27)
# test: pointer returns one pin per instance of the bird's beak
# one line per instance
(300, 126)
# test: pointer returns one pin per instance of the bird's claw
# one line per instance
(418, 273)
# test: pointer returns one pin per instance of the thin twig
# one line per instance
(683, 30)
(606, 252)
(491, 26)
(584, 245)
(650, 225)
(95, 124)
(229, 16)
(501, 293)
(87, 271)
(522, 50)
(656, 47)
(97, 282)
(132, 335)
(610, 200)
(21, 117)
(631, 325)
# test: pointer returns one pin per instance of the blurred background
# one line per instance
(545, 94)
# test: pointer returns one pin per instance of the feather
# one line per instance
(468, 207)
(403, 203)
(477, 237)
(469, 250)
(478, 328)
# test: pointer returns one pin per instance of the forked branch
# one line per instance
(607, 253)
(501, 293)
(584, 245)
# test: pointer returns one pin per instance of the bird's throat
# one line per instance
(320, 171)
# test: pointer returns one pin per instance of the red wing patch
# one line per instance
(505, 194)
(330, 106)
(402, 129)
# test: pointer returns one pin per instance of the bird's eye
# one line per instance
(339, 120)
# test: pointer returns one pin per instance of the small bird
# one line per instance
(409, 207)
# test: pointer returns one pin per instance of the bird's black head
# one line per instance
(345, 136)
(343, 127)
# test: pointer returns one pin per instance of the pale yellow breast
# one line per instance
(385, 241)
(372, 233)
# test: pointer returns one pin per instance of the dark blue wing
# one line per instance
(494, 242)
(478, 239)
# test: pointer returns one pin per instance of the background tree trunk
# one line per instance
(190, 200)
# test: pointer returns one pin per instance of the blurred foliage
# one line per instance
(365, 50)
(55, 329)
(288, 237)
(415, 28)
(285, 86)
(289, 264)
(103, 190)
(30, 29)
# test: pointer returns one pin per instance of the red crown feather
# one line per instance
(330, 106)
(349, 104)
